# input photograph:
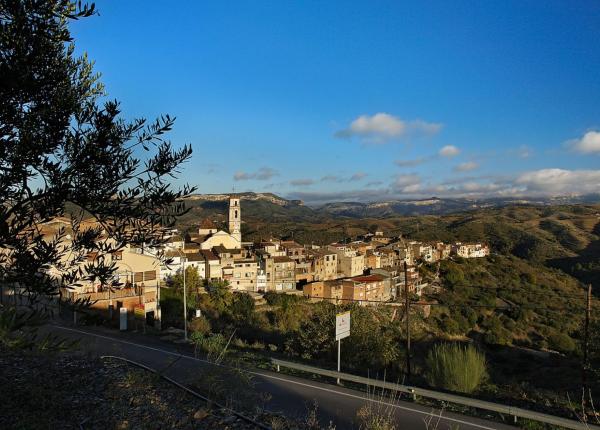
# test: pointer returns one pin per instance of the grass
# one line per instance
(455, 367)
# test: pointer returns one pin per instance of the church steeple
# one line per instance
(235, 218)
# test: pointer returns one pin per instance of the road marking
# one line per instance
(176, 354)
(442, 418)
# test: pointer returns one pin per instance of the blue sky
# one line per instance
(364, 100)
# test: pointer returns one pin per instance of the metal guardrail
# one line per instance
(451, 398)
(192, 392)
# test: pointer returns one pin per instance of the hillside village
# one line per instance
(368, 269)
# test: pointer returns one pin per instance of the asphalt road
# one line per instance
(289, 395)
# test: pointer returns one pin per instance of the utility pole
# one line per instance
(407, 307)
(185, 334)
(586, 347)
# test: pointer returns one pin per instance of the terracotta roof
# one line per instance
(368, 278)
(291, 244)
(208, 255)
(320, 252)
(282, 260)
(207, 224)
(196, 256)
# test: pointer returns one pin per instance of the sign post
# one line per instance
(342, 330)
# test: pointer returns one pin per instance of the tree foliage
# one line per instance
(66, 150)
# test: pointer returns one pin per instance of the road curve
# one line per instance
(290, 395)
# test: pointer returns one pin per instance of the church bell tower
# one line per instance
(235, 218)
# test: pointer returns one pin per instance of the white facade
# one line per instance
(235, 219)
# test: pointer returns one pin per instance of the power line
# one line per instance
(481, 288)
(412, 303)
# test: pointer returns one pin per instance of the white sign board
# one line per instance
(342, 325)
(123, 319)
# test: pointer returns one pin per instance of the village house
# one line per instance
(138, 274)
(365, 290)
(213, 269)
(280, 272)
(373, 260)
(304, 272)
(331, 290)
(443, 250)
(470, 250)
(350, 262)
(245, 272)
(422, 251)
(324, 264)
(293, 250)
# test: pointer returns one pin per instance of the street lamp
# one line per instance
(181, 256)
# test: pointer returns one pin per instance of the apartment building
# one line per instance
(350, 262)
(470, 250)
(422, 251)
(373, 260)
(443, 250)
(324, 264)
(213, 269)
(365, 290)
(138, 274)
(280, 273)
(245, 273)
(293, 250)
(303, 271)
(332, 290)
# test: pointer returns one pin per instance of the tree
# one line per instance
(242, 308)
(64, 152)
(193, 281)
(220, 295)
(315, 337)
(454, 275)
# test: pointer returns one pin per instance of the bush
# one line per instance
(199, 325)
(242, 307)
(281, 299)
(454, 276)
(456, 368)
(561, 342)
(212, 344)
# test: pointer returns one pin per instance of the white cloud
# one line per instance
(358, 176)
(383, 127)
(560, 181)
(588, 144)
(449, 151)
(262, 174)
(524, 151)
(537, 183)
(301, 182)
(407, 183)
(340, 179)
(338, 196)
(412, 163)
(466, 167)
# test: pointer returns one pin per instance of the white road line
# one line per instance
(176, 354)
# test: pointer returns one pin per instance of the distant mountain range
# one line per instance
(269, 206)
